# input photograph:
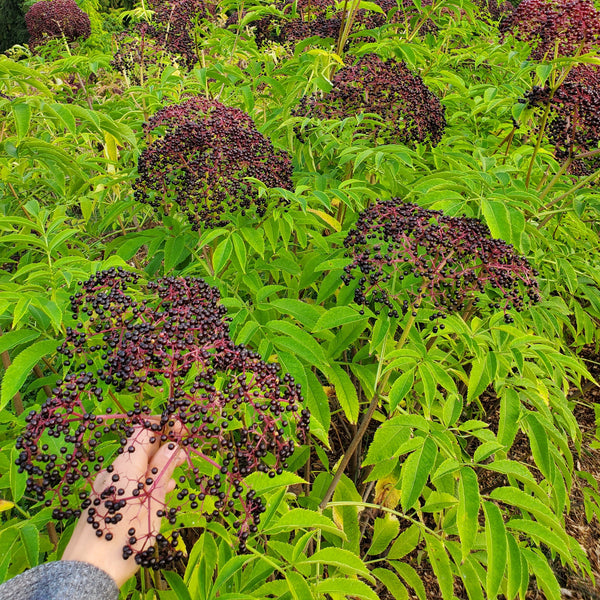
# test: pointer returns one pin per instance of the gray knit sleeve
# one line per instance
(61, 580)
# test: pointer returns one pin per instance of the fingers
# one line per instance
(167, 458)
(137, 453)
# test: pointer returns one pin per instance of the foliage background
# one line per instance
(434, 485)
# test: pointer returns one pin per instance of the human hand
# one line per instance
(141, 478)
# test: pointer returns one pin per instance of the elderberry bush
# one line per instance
(404, 257)
(321, 18)
(56, 18)
(407, 110)
(199, 165)
(564, 27)
(157, 356)
(573, 124)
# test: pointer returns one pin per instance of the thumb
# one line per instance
(167, 458)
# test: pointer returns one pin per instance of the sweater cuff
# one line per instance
(61, 580)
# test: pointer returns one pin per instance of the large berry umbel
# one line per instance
(405, 256)
(574, 119)
(408, 111)
(561, 27)
(55, 18)
(201, 162)
(158, 356)
(173, 26)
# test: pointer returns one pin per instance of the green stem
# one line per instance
(380, 385)
(386, 509)
(422, 20)
(560, 172)
(266, 559)
(582, 183)
(538, 143)
(346, 26)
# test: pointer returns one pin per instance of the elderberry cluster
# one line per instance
(573, 124)
(497, 10)
(157, 356)
(202, 160)
(172, 26)
(408, 111)
(55, 18)
(170, 30)
(567, 27)
(404, 256)
(136, 52)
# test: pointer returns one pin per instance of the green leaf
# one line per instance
(406, 542)
(429, 381)
(486, 449)
(513, 496)
(497, 218)
(346, 515)
(514, 567)
(22, 114)
(514, 469)
(221, 255)
(318, 404)
(392, 583)
(389, 437)
(479, 378)
(255, 239)
(268, 290)
(301, 518)
(538, 440)
(201, 565)
(174, 251)
(244, 335)
(352, 588)
(300, 343)
(496, 544)
(468, 509)
(471, 576)
(543, 72)
(21, 367)
(385, 529)
(177, 585)
(400, 389)
(261, 483)
(228, 570)
(411, 577)
(546, 579)
(437, 501)
(240, 250)
(543, 534)
(345, 560)
(415, 472)
(366, 5)
(30, 537)
(440, 561)
(14, 338)
(510, 411)
(344, 391)
(337, 316)
(306, 314)
(298, 586)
